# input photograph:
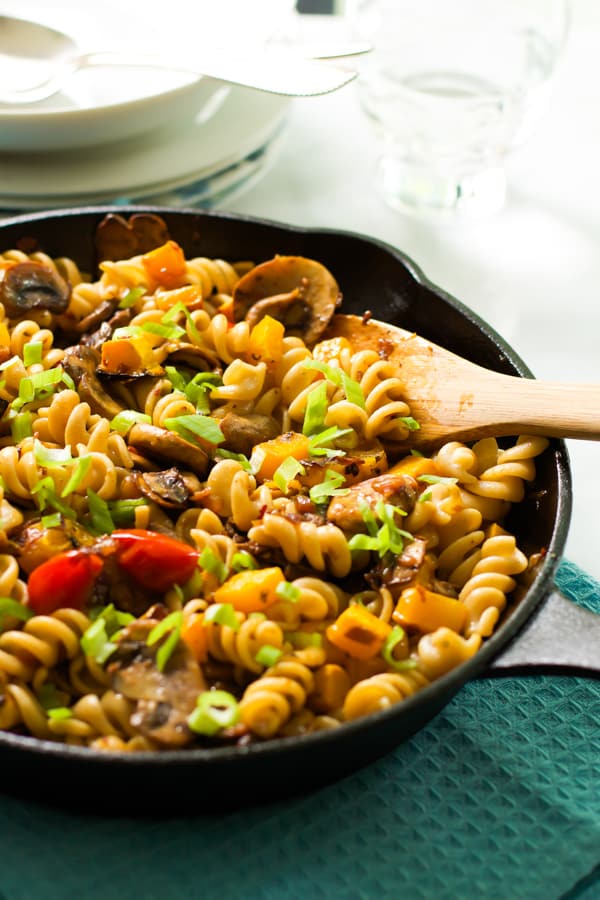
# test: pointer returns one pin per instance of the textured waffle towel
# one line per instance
(498, 797)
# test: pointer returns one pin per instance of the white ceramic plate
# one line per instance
(148, 165)
(102, 105)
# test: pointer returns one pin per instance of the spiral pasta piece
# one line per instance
(271, 700)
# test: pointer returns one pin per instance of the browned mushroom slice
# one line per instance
(201, 358)
(399, 490)
(81, 363)
(396, 574)
(28, 286)
(117, 238)
(34, 543)
(243, 433)
(167, 446)
(95, 339)
(164, 699)
(300, 292)
(169, 488)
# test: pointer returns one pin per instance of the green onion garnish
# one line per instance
(20, 427)
(316, 409)
(169, 332)
(384, 538)
(243, 560)
(9, 362)
(126, 419)
(176, 378)
(214, 711)
(210, 562)
(316, 445)
(45, 494)
(48, 457)
(95, 641)
(173, 314)
(200, 385)
(329, 487)
(10, 607)
(302, 639)
(77, 476)
(51, 521)
(32, 353)
(222, 614)
(288, 591)
(171, 625)
(286, 472)
(132, 296)
(410, 423)
(122, 512)
(59, 713)
(436, 479)
(221, 453)
(50, 697)
(192, 426)
(351, 388)
(395, 636)
(268, 655)
(101, 519)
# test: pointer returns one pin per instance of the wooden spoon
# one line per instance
(454, 399)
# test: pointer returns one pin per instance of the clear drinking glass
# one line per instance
(452, 87)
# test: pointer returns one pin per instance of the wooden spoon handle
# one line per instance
(506, 404)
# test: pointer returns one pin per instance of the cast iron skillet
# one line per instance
(542, 632)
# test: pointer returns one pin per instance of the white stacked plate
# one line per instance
(118, 135)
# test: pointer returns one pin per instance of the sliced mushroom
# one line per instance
(399, 572)
(398, 490)
(117, 238)
(34, 544)
(164, 699)
(106, 330)
(81, 363)
(169, 487)
(300, 292)
(28, 286)
(200, 358)
(243, 433)
(167, 446)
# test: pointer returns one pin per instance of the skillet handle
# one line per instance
(560, 638)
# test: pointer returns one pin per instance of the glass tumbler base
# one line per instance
(427, 194)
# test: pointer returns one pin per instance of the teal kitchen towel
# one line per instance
(498, 797)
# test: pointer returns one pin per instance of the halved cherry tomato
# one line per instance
(64, 581)
(156, 561)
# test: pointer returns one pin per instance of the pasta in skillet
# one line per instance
(212, 530)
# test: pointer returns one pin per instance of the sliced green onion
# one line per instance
(77, 476)
(222, 614)
(368, 517)
(32, 353)
(215, 710)
(170, 625)
(199, 386)
(414, 452)
(221, 453)
(95, 641)
(329, 487)
(173, 314)
(395, 636)
(286, 472)
(50, 697)
(132, 296)
(51, 521)
(169, 332)
(101, 519)
(210, 562)
(316, 409)
(243, 560)
(122, 512)
(50, 458)
(302, 639)
(436, 479)
(176, 378)
(9, 362)
(351, 388)
(316, 445)
(126, 419)
(59, 713)
(426, 495)
(363, 542)
(21, 427)
(288, 591)
(45, 494)
(257, 459)
(410, 423)
(198, 426)
(10, 607)
(268, 655)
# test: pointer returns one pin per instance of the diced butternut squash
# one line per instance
(251, 591)
(127, 356)
(415, 466)
(190, 295)
(165, 265)
(425, 610)
(358, 632)
(268, 456)
(194, 635)
(266, 341)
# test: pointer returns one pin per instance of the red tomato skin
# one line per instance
(156, 561)
(63, 582)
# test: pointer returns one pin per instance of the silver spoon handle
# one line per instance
(273, 71)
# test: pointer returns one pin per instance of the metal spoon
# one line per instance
(39, 59)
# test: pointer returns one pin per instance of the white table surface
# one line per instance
(532, 271)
